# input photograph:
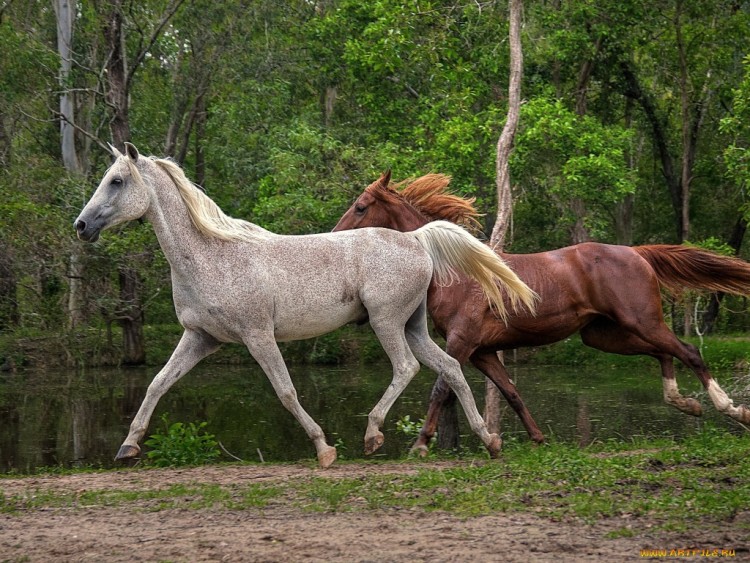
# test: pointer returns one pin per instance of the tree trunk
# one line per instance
(579, 232)
(448, 437)
(624, 209)
(200, 133)
(117, 76)
(659, 137)
(329, 101)
(8, 286)
(131, 317)
(502, 180)
(133, 345)
(65, 11)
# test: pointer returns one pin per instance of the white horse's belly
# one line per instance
(315, 322)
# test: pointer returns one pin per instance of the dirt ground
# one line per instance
(280, 532)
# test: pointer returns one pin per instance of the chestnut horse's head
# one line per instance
(406, 208)
(380, 206)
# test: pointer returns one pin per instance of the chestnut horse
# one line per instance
(610, 294)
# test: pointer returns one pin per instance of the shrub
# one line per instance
(182, 444)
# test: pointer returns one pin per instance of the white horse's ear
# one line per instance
(131, 151)
(114, 151)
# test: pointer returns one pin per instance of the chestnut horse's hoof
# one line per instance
(327, 457)
(373, 443)
(692, 407)
(494, 446)
(127, 452)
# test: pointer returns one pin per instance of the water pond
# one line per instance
(68, 418)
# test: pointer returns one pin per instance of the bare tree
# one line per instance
(65, 11)
(502, 178)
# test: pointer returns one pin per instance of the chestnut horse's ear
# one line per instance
(385, 178)
(114, 151)
(131, 151)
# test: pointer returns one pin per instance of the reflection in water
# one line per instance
(80, 418)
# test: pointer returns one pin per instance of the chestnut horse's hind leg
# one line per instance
(662, 343)
(607, 336)
(672, 395)
(440, 397)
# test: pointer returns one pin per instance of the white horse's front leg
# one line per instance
(266, 352)
(192, 348)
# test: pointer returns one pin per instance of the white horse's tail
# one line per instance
(452, 248)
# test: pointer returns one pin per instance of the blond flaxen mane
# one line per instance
(207, 217)
(430, 196)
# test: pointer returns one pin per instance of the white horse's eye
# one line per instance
(117, 181)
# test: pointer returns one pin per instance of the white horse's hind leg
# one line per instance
(264, 349)
(405, 367)
(431, 355)
(192, 348)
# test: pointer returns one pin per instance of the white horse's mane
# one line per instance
(207, 217)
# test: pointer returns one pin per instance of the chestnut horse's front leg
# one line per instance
(491, 366)
(192, 348)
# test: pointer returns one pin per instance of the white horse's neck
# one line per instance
(182, 243)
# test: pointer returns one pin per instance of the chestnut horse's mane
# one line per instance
(430, 196)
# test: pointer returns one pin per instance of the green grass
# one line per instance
(667, 484)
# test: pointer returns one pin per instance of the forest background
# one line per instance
(634, 130)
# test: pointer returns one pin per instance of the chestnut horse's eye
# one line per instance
(359, 208)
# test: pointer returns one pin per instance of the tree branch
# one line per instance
(169, 11)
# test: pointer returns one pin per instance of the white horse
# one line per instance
(233, 281)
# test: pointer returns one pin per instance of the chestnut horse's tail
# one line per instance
(679, 267)
(452, 248)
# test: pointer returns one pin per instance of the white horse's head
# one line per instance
(121, 196)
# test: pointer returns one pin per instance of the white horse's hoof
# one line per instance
(327, 457)
(127, 452)
(373, 443)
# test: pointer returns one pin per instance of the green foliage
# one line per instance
(182, 444)
(405, 425)
(568, 157)
(286, 111)
(735, 124)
